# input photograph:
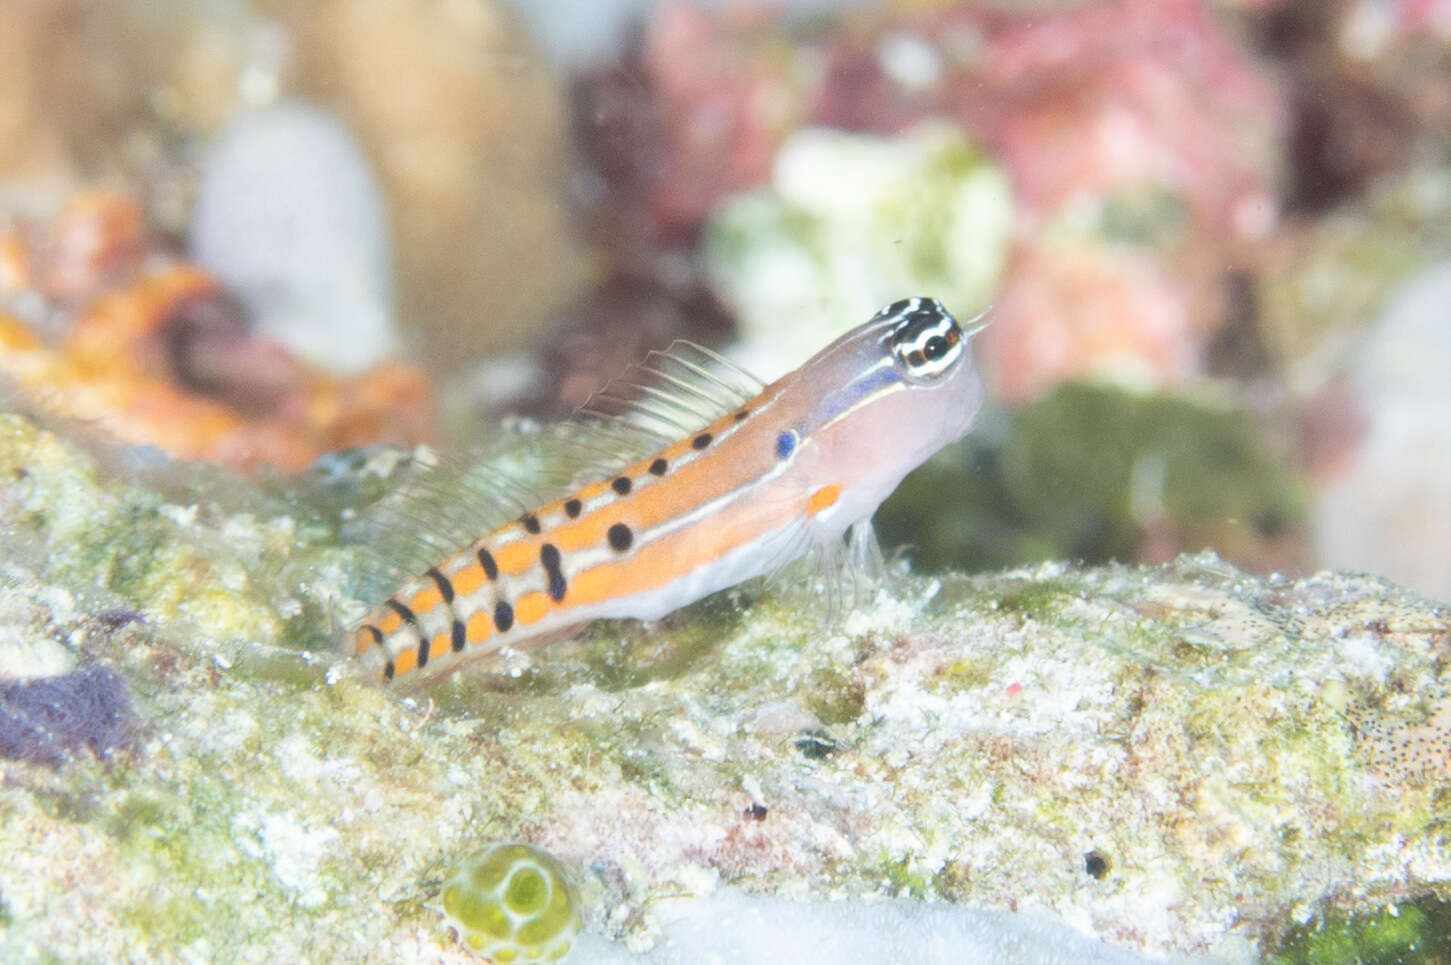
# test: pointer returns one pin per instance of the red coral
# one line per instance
(158, 355)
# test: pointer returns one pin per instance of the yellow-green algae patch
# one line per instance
(513, 903)
(1189, 725)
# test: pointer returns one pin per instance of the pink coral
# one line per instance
(1087, 309)
(1083, 106)
(1088, 100)
(726, 105)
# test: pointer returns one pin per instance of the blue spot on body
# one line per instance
(785, 444)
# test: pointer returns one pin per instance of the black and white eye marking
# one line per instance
(927, 341)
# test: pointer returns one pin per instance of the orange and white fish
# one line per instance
(716, 480)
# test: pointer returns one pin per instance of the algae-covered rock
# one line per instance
(1177, 759)
(1095, 473)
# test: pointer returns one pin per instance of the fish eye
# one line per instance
(926, 341)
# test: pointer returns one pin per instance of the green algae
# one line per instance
(834, 695)
(79, 529)
(513, 902)
(1396, 935)
(962, 675)
(1076, 473)
(1035, 600)
(620, 657)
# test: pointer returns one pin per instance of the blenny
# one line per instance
(715, 479)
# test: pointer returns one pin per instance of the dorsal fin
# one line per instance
(661, 399)
(440, 503)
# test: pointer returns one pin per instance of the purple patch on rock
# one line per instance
(46, 719)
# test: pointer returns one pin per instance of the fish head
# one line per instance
(885, 397)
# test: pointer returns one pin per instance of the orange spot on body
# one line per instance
(389, 622)
(467, 581)
(425, 599)
(405, 661)
(596, 584)
(531, 608)
(441, 644)
(823, 498)
(479, 627)
(363, 640)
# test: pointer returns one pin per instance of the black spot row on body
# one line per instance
(701, 441)
(572, 508)
(658, 467)
(531, 523)
(549, 558)
(445, 588)
(410, 619)
(621, 485)
(403, 612)
(459, 639)
(503, 616)
(486, 560)
(620, 537)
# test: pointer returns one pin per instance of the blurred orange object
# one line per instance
(160, 356)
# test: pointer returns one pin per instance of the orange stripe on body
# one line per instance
(679, 492)
(660, 562)
(592, 490)
(730, 465)
(588, 531)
